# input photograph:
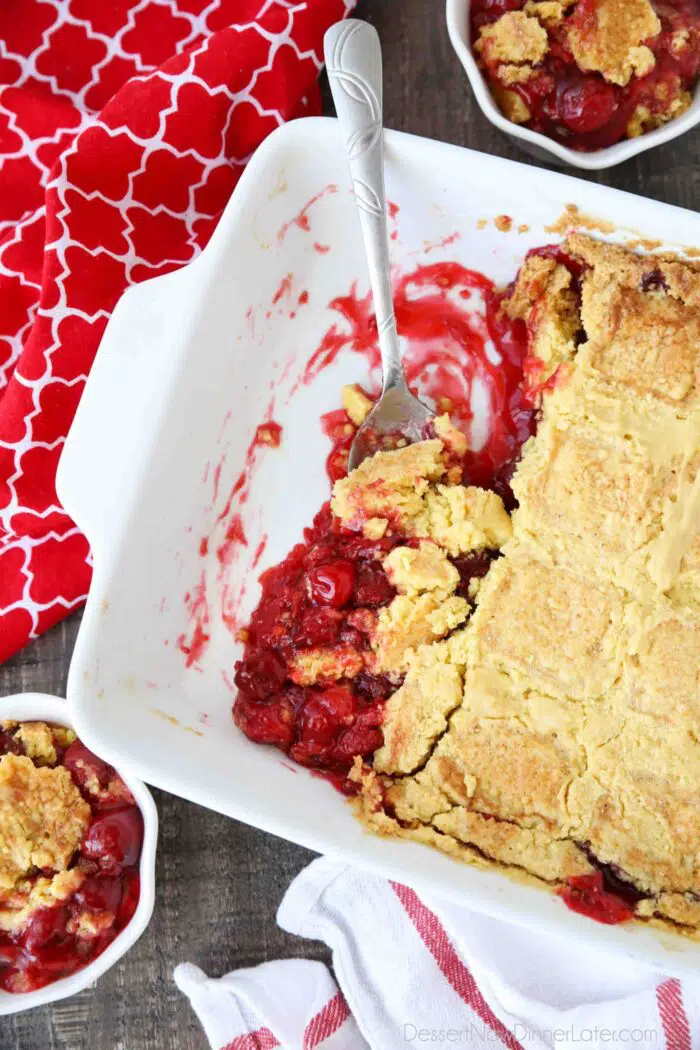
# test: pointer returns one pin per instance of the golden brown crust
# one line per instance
(402, 491)
(409, 622)
(37, 740)
(575, 738)
(417, 713)
(310, 666)
(43, 818)
(544, 298)
(356, 403)
(426, 567)
(515, 38)
(551, 12)
(612, 39)
(17, 906)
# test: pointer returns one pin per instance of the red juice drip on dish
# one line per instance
(193, 642)
(452, 322)
(285, 287)
(301, 219)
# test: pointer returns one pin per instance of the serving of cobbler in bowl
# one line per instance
(75, 875)
(585, 75)
(508, 671)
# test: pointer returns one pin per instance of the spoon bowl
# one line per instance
(397, 419)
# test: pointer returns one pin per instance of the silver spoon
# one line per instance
(354, 62)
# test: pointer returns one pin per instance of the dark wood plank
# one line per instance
(219, 882)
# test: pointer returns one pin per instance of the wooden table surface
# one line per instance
(219, 882)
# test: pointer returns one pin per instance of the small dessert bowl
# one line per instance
(40, 707)
(541, 146)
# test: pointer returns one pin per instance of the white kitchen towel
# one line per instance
(291, 1003)
(408, 982)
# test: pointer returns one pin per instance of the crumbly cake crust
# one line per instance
(403, 491)
(615, 44)
(43, 818)
(515, 38)
(556, 731)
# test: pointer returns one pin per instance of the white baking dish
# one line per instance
(540, 146)
(185, 371)
(45, 708)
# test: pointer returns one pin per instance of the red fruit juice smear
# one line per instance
(455, 337)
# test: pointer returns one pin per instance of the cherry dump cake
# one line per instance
(520, 689)
(589, 73)
(70, 843)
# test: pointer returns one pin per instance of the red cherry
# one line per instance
(319, 627)
(54, 961)
(261, 674)
(8, 744)
(99, 893)
(332, 583)
(485, 11)
(83, 765)
(339, 701)
(270, 722)
(362, 738)
(372, 687)
(45, 925)
(17, 979)
(317, 728)
(373, 587)
(472, 567)
(499, 7)
(113, 841)
(585, 104)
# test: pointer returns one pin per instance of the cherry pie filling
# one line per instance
(58, 940)
(583, 110)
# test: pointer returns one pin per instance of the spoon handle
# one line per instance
(354, 62)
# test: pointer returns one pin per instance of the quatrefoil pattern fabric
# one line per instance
(124, 127)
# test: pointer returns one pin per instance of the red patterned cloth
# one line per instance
(124, 126)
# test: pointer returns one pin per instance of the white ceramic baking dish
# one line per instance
(540, 146)
(42, 707)
(185, 372)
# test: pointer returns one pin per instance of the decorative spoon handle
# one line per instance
(354, 63)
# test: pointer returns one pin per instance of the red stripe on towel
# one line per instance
(261, 1039)
(443, 952)
(669, 998)
(326, 1022)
